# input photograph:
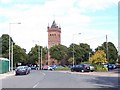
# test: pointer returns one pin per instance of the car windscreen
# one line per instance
(21, 67)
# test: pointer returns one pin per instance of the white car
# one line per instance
(50, 68)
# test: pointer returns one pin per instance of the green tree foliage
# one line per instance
(33, 55)
(81, 52)
(59, 52)
(5, 45)
(98, 58)
(112, 51)
(119, 59)
(19, 55)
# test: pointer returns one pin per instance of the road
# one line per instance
(56, 79)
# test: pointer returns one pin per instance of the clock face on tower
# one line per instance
(54, 35)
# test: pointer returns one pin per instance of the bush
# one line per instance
(100, 68)
(65, 68)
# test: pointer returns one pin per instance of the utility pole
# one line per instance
(41, 58)
(12, 57)
(74, 49)
(107, 48)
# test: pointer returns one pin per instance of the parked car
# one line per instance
(51, 67)
(117, 65)
(34, 67)
(22, 70)
(110, 66)
(92, 68)
(46, 67)
(58, 66)
(80, 68)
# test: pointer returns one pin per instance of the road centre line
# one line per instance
(38, 82)
(35, 85)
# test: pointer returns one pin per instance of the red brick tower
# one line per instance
(54, 38)
(54, 35)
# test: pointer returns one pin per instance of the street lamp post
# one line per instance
(74, 49)
(39, 58)
(11, 56)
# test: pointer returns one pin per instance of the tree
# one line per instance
(98, 58)
(59, 52)
(33, 55)
(119, 59)
(112, 51)
(19, 55)
(5, 45)
(81, 52)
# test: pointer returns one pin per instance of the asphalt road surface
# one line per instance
(56, 79)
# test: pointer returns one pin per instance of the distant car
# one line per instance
(80, 68)
(92, 68)
(22, 70)
(58, 66)
(110, 66)
(45, 67)
(117, 65)
(51, 68)
(34, 67)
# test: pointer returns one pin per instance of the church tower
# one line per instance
(54, 35)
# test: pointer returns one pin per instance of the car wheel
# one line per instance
(92, 70)
(82, 70)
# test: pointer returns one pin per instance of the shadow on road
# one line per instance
(106, 82)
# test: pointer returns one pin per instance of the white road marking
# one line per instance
(44, 74)
(35, 85)
(38, 82)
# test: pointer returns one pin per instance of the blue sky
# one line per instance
(92, 18)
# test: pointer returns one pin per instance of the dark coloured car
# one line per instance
(80, 68)
(117, 65)
(111, 66)
(34, 67)
(22, 70)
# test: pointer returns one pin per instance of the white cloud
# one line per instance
(94, 5)
(5, 1)
(35, 19)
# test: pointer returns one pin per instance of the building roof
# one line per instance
(54, 25)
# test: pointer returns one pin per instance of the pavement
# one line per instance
(4, 75)
(107, 74)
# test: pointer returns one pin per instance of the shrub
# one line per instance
(100, 68)
(65, 68)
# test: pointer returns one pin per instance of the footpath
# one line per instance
(106, 74)
(4, 75)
